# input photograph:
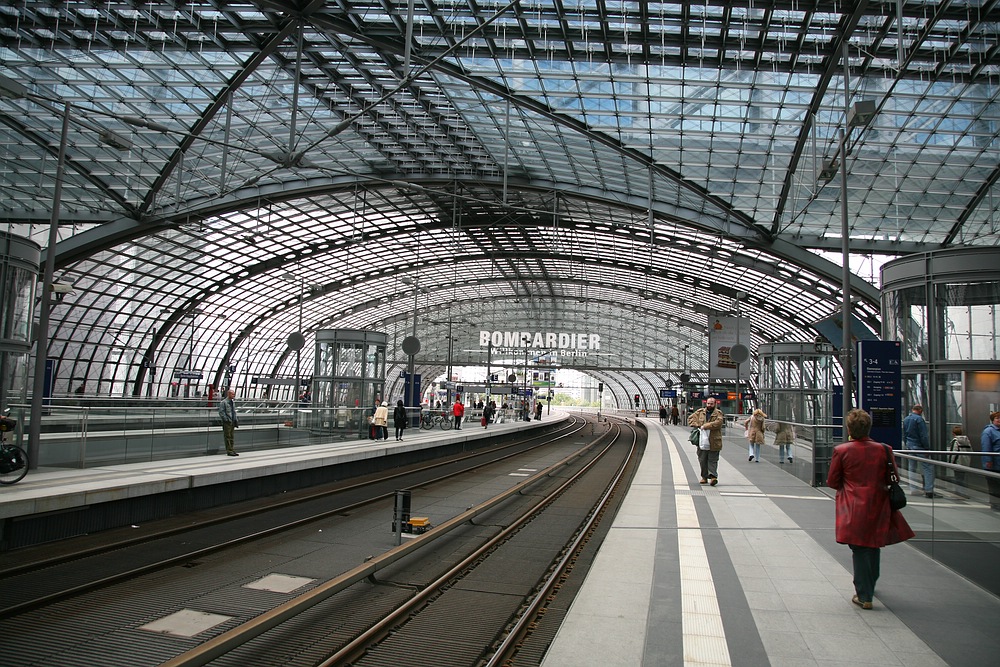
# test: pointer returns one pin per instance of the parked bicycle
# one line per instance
(13, 459)
(430, 420)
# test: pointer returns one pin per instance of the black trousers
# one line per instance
(866, 570)
(993, 485)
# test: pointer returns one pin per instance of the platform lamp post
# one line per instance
(411, 345)
(859, 115)
(296, 341)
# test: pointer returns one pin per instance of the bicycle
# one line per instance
(13, 459)
(429, 421)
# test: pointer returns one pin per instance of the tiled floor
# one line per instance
(749, 573)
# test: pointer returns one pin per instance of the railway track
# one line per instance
(336, 611)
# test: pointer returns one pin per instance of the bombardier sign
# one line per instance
(564, 344)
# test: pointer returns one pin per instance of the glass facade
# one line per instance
(349, 377)
(944, 306)
(970, 320)
(19, 263)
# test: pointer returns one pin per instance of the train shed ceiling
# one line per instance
(234, 169)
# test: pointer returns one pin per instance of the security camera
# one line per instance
(62, 288)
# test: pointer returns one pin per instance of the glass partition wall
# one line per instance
(796, 392)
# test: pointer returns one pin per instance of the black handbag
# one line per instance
(897, 497)
(695, 437)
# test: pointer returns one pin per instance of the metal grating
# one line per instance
(454, 631)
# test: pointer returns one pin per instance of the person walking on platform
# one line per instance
(458, 410)
(990, 443)
(960, 444)
(755, 433)
(675, 415)
(784, 436)
(663, 415)
(710, 420)
(230, 420)
(488, 412)
(865, 522)
(381, 421)
(399, 419)
(917, 438)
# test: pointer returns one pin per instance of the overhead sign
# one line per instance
(188, 375)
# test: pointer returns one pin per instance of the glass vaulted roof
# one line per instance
(238, 171)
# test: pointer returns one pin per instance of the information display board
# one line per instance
(879, 376)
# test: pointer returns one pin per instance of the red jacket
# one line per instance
(458, 409)
(864, 519)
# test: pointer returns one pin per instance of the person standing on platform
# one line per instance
(458, 410)
(990, 442)
(675, 415)
(399, 419)
(755, 433)
(865, 522)
(381, 421)
(230, 420)
(916, 437)
(710, 420)
(538, 411)
(663, 415)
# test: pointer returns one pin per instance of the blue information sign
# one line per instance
(880, 388)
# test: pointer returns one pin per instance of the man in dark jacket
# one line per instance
(916, 437)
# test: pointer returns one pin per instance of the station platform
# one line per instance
(54, 503)
(749, 573)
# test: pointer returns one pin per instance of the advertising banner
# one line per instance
(723, 334)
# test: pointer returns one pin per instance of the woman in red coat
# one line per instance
(865, 522)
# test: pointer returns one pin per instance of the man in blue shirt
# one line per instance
(917, 437)
(990, 442)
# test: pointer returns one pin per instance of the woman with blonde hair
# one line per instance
(755, 433)
(784, 436)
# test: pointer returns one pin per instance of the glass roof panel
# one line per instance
(660, 158)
